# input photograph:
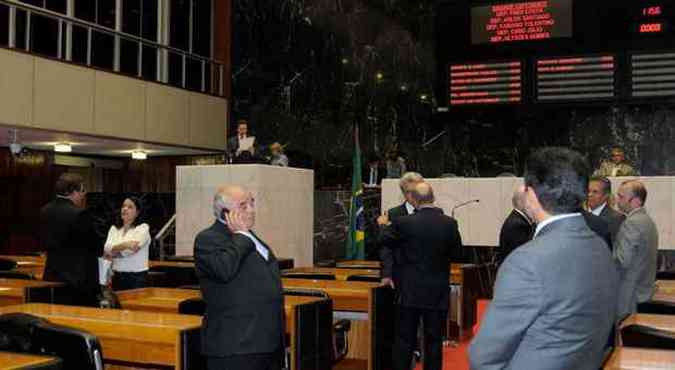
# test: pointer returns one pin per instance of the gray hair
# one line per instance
(423, 194)
(409, 178)
(222, 200)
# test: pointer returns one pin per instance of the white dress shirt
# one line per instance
(262, 250)
(598, 210)
(410, 208)
(551, 220)
(129, 261)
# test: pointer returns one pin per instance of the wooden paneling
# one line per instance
(166, 114)
(16, 96)
(120, 106)
(222, 40)
(208, 121)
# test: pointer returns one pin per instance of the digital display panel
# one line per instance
(522, 21)
(653, 75)
(485, 83)
(575, 78)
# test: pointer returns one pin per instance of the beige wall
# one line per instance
(44, 93)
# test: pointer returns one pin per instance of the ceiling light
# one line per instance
(139, 155)
(63, 148)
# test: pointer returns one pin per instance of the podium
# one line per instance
(284, 199)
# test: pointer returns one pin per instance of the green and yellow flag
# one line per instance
(357, 226)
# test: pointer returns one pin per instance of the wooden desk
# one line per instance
(17, 291)
(182, 264)
(135, 337)
(31, 265)
(359, 264)
(626, 358)
(167, 300)
(346, 296)
(16, 361)
(339, 273)
(662, 322)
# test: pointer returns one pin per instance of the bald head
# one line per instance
(631, 195)
(422, 194)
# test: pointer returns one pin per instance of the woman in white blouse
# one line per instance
(128, 244)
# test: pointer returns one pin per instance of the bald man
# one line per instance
(425, 241)
(635, 249)
(243, 327)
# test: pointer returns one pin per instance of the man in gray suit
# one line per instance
(635, 248)
(555, 297)
(599, 191)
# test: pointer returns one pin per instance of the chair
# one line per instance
(308, 275)
(325, 263)
(192, 306)
(647, 337)
(6, 264)
(192, 287)
(176, 276)
(368, 278)
(340, 339)
(24, 333)
(656, 307)
(16, 275)
(306, 292)
(665, 275)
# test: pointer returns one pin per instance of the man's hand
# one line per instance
(387, 282)
(236, 221)
(383, 220)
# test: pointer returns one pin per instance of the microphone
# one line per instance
(463, 204)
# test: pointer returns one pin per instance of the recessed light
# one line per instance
(139, 155)
(63, 148)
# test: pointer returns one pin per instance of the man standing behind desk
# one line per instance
(243, 327)
(517, 228)
(636, 248)
(72, 245)
(555, 297)
(425, 241)
(599, 191)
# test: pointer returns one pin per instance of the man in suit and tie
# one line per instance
(555, 297)
(407, 184)
(637, 245)
(599, 192)
(72, 244)
(243, 327)
(517, 228)
(426, 241)
(234, 149)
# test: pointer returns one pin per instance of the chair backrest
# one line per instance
(665, 275)
(16, 331)
(657, 307)
(16, 275)
(309, 276)
(7, 264)
(77, 348)
(647, 337)
(369, 278)
(306, 292)
(177, 276)
(192, 306)
(325, 263)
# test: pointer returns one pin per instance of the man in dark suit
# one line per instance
(426, 241)
(243, 327)
(599, 192)
(555, 297)
(517, 228)
(72, 245)
(599, 226)
(233, 150)
(407, 184)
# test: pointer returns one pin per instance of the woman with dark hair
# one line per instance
(128, 244)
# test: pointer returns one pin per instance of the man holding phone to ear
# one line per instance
(243, 327)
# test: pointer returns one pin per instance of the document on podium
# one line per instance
(246, 144)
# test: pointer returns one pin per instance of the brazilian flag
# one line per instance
(356, 244)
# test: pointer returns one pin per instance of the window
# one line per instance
(139, 18)
(4, 25)
(47, 43)
(190, 31)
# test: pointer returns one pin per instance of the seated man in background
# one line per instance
(636, 248)
(278, 157)
(616, 166)
(555, 297)
(517, 228)
(243, 328)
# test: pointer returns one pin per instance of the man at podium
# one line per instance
(241, 147)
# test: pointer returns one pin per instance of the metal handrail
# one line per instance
(163, 233)
(30, 9)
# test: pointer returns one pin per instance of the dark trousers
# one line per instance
(405, 340)
(128, 280)
(254, 361)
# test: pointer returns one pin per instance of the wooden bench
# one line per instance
(17, 291)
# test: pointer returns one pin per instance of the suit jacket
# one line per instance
(599, 226)
(243, 294)
(389, 256)
(427, 240)
(516, 231)
(636, 249)
(554, 304)
(72, 245)
(614, 220)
